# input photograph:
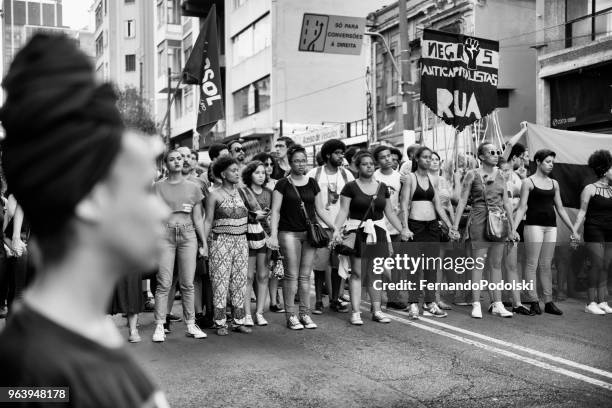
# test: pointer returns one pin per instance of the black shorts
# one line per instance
(597, 233)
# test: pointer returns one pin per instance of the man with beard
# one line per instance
(237, 153)
(331, 178)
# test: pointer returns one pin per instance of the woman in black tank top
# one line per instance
(540, 197)
(596, 206)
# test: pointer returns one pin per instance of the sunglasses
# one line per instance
(495, 153)
(238, 149)
(268, 164)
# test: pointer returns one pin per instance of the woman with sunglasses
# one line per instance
(540, 196)
(486, 183)
(259, 201)
(268, 163)
(366, 199)
(288, 228)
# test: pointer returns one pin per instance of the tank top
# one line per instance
(541, 207)
(599, 211)
(230, 215)
(420, 194)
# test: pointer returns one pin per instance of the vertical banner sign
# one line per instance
(202, 68)
(459, 76)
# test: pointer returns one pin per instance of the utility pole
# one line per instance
(406, 122)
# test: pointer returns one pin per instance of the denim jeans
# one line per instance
(179, 241)
(539, 251)
(299, 256)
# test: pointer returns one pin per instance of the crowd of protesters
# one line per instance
(231, 225)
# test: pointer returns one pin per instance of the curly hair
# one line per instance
(250, 168)
(600, 161)
(296, 148)
(330, 147)
(221, 164)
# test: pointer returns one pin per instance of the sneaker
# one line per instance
(476, 310)
(248, 321)
(277, 309)
(593, 308)
(535, 308)
(339, 306)
(604, 306)
(173, 318)
(380, 317)
(318, 310)
(432, 309)
(345, 298)
(149, 305)
(294, 323)
(240, 328)
(260, 320)
(522, 310)
(443, 305)
(413, 311)
(551, 308)
(396, 305)
(134, 337)
(356, 319)
(498, 309)
(194, 331)
(159, 335)
(307, 322)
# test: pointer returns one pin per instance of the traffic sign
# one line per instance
(332, 34)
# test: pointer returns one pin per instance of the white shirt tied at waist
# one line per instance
(344, 264)
(368, 227)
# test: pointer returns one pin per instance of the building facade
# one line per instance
(574, 80)
(511, 22)
(269, 80)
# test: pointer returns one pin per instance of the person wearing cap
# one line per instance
(78, 163)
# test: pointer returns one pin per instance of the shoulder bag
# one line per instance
(317, 237)
(347, 247)
(497, 228)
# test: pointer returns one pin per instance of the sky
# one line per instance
(76, 14)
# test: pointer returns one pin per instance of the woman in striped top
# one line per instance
(226, 216)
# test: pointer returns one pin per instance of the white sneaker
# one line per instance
(159, 335)
(194, 331)
(294, 323)
(605, 307)
(432, 309)
(498, 309)
(380, 317)
(476, 310)
(248, 321)
(260, 319)
(134, 337)
(593, 308)
(307, 322)
(356, 319)
(413, 311)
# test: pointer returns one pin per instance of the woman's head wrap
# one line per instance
(63, 130)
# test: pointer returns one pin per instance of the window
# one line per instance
(175, 57)
(174, 11)
(99, 15)
(503, 98)
(130, 63)
(251, 40)
(391, 78)
(187, 46)
(162, 60)
(252, 99)
(587, 20)
(130, 29)
(239, 3)
(161, 13)
(100, 45)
